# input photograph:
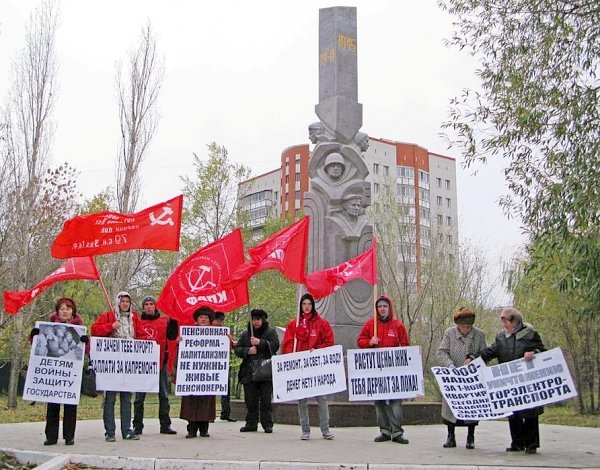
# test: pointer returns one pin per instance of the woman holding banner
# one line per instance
(258, 342)
(199, 410)
(518, 340)
(65, 312)
(460, 344)
(307, 332)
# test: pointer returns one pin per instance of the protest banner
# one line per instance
(520, 384)
(385, 373)
(125, 365)
(308, 374)
(203, 363)
(465, 391)
(55, 364)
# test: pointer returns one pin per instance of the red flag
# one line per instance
(74, 268)
(154, 228)
(197, 280)
(284, 251)
(322, 283)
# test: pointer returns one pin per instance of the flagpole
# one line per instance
(106, 297)
(297, 318)
(375, 309)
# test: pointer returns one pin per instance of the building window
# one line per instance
(424, 177)
(449, 238)
(376, 188)
(287, 179)
(404, 172)
(386, 170)
(297, 176)
(440, 219)
(448, 202)
(449, 221)
(405, 191)
(439, 182)
(423, 194)
(424, 213)
(297, 195)
(447, 184)
(376, 168)
(439, 200)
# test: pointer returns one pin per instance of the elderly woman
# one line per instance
(518, 340)
(460, 344)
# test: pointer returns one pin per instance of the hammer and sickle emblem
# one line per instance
(161, 219)
(196, 279)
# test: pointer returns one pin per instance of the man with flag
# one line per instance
(122, 322)
(159, 328)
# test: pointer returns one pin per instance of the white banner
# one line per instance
(203, 362)
(520, 384)
(125, 365)
(55, 364)
(308, 374)
(385, 373)
(465, 391)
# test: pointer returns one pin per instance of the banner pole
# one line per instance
(375, 310)
(106, 297)
(297, 317)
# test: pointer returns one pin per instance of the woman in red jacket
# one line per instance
(390, 333)
(306, 333)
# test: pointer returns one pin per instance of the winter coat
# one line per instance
(312, 332)
(269, 344)
(157, 328)
(391, 332)
(103, 326)
(510, 346)
(453, 351)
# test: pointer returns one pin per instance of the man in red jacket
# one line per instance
(311, 332)
(118, 323)
(390, 333)
(156, 327)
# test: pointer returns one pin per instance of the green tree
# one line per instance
(538, 106)
(210, 198)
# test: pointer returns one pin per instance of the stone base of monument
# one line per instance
(346, 414)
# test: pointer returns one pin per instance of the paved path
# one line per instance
(562, 447)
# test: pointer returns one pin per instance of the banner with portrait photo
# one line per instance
(385, 373)
(203, 362)
(308, 374)
(55, 364)
(125, 365)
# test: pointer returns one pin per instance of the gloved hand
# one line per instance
(34, 331)
(84, 339)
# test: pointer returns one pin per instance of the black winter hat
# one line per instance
(258, 313)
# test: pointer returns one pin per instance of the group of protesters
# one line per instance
(460, 345)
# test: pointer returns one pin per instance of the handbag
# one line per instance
(261, 370)
(88, 382)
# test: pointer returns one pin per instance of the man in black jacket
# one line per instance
(259, 341)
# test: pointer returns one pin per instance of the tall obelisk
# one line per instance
(339, 193)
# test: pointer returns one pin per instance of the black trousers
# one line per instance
(257, 396)
(53, 418)
(525, 432)
(194, 426)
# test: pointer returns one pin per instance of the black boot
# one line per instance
(451, 441)
(471, 437)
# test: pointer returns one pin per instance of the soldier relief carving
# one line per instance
(336, 202)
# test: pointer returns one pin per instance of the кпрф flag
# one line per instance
(154, 228)
(322, 283)
(284, 251)
(74, 268)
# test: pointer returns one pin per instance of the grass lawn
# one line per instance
(91, 408)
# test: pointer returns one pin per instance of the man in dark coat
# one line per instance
(259, 341)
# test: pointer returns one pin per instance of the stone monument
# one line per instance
(339, 193)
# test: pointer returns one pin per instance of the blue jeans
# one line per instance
(323, 414)
(389, 417)
(108, 412)
(164, 407)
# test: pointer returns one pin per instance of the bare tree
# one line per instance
(27, 133)
(138, 88)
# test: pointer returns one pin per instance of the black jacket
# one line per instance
(269, 344)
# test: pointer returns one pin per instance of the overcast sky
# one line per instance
(245, 75)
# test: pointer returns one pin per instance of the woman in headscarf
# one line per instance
(460, 344)
(518, 340)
